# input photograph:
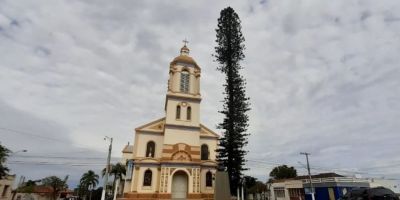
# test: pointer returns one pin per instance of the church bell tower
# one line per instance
(183, 99)
(174, 157)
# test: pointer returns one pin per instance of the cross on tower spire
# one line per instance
(185, 42)
(185, 49)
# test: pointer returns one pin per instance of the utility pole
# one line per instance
(103, 194)
(309, 175)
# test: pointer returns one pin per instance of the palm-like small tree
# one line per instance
(118, 171)
(89, 180)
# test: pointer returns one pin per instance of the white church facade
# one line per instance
(174, 157)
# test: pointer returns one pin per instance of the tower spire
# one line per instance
(185, 50)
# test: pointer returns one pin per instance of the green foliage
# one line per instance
(56, 184)
(89, 179)
(118, 171)
(229, 53)
(31, 183)
(283, 172)
(258, 187)
(80, 191)
(4, 153)
(28, 186)
(250, 181)
(253, 185)
(97, 193)
(88, 182)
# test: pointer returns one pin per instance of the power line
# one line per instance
(50, 163)
(36, 136)
(31, 134)
(62, 157)
(318, 168)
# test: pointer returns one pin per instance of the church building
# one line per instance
(174, 157)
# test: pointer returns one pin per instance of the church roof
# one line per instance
(157, 126)
(128, 149)
(184, 59)
(206, 132)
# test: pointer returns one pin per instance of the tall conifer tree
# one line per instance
(229, 53)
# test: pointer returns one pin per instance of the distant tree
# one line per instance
(250, 181)
(88, 181)
(28, 186)
(80, 191)
(257, 188)
(56, 184)
(31, 182)
(229, 53)
(4, 153)
(282, 172)
(253, 186)
(97, 193)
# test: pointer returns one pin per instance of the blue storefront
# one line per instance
(333, 188)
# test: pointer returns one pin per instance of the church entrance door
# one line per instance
(179, 186)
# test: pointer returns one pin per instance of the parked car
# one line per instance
(378, 193)
(355, 194)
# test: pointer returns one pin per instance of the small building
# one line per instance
(328, 186)
(287, 189)
(40, 193)
(6, 185)
(34, 193)
(331, 186)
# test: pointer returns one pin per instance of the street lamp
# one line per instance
(19, 151)
(21, 178)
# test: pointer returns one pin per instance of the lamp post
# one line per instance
(103, 194)
(22, 178)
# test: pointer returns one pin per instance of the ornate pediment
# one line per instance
(158, 126)
(181, 156)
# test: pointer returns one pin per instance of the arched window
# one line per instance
(178, 112)
(185, 81)
(208, 179)
(189, 113)
(204, 152)
(150, 149)
(148, 175)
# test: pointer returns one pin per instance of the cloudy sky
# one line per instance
(323, 77)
